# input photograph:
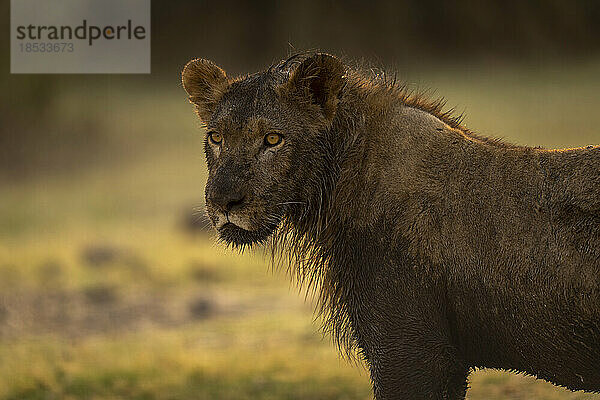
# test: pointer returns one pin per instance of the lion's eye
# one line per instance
(215, 137)
(273, 139)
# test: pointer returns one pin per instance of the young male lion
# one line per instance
(435, 250)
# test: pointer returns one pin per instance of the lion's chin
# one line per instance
(240, 237)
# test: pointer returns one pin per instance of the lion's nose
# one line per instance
(227, 201)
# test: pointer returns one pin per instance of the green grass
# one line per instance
(162, 313)
(226, 358)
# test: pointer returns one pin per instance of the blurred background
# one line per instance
(110, 283)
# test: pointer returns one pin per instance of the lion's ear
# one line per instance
(205, 83)
(319, 80)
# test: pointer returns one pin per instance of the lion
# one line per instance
(434, 250)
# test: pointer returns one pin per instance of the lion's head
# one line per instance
(265, 142)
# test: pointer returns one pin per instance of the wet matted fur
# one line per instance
(432, 250)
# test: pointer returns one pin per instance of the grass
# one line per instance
(106, 293)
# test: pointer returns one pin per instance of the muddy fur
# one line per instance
(433, 250)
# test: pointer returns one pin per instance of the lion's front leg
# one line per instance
(410, 354)
(414, 368)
